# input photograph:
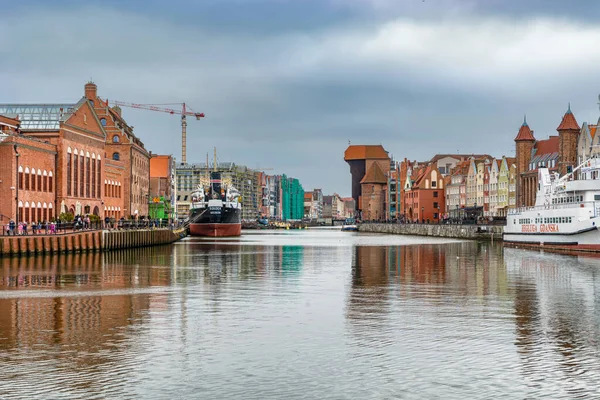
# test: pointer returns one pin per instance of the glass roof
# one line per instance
(38, 116)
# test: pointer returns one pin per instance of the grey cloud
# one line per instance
(292, 100)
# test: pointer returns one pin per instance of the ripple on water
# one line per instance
(309, 314)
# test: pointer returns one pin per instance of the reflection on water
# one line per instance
(313, 315)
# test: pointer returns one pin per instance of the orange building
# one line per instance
(161, 171)
(424, 195)
(369, 166)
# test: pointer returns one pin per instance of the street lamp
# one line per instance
(17, 186)
(422, 214)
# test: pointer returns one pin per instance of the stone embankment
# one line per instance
(472, 232)
(86, 241)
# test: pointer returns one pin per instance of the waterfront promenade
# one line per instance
(456, 231)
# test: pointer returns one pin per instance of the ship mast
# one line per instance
(215, 162)
(207, 169)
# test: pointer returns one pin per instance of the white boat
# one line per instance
(566, 212)
(349, 225)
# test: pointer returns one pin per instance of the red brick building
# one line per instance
(92, 171)
(369, 166)
(78, 142)
(26, 178)
(424, 195)
(126, 150)
(556, 153)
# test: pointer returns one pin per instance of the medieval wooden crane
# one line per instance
(185, 111)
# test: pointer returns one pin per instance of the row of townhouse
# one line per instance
(484, 183)
(433, 190)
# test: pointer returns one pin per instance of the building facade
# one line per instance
(424, 196)
(124, 147)
(369, 167)
(161, 186)
(86, 180)
(557, 153)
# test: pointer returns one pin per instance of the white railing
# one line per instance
(582, 204)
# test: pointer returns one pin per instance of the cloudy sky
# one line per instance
(286, 84)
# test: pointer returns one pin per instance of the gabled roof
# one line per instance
(592, 129)
(374, 175)
(525, 133)
(547, 146)
(364, 152)
(511, 160)
(456, 156)
(568, 121)
(423, 173)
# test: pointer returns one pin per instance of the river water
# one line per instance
(315, 314)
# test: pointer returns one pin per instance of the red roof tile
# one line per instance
(363, 152)
(547, 146)
(568, 121)
(374, 175)
(593, 130)
(525, 133)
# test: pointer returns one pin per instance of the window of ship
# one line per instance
(597, 197)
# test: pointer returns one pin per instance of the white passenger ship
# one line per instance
(566, 212)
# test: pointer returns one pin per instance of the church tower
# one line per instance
(524, 144)
(568, 133)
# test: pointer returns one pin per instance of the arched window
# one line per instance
(27, 178)
(69, 172)
(39, 180)
(93, 175)
(75, 173)
(87, 174)
(116, 156)
(20, 177)
(82, 174)
(103, 121)
(116, 139)
(98, 171)
(50, 187)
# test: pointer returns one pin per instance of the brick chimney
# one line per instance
(91, 91)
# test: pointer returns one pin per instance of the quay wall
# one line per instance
(116, 240)
(472, 232)
(85, 241)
